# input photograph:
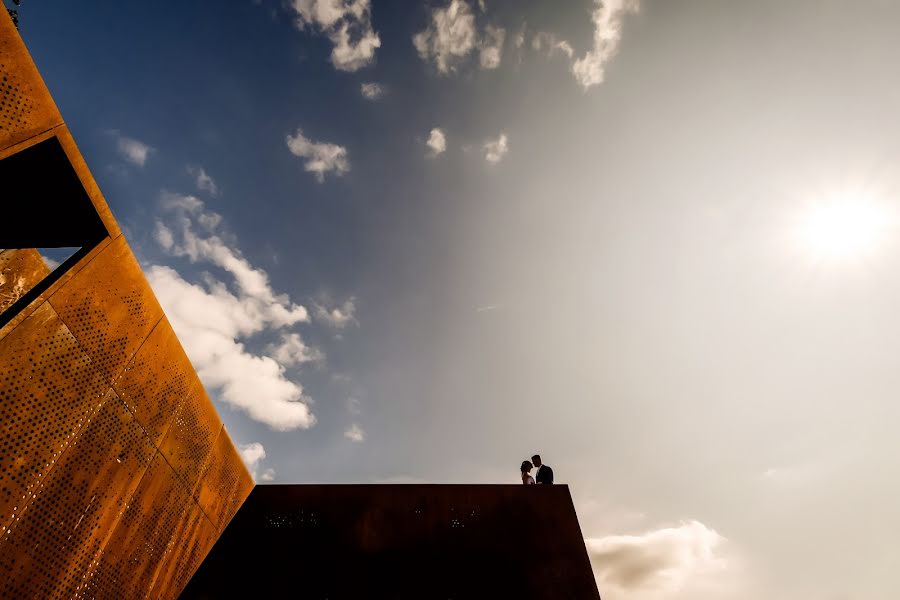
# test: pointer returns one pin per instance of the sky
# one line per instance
(654, 241)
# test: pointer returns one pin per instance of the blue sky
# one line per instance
(654, 241)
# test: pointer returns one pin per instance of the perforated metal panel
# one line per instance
(225, 483)
(157, 380)
(144, 536)
(193, 539)
(109, 308)
(191, 435)
(48, 388)
(25, 104)
(16, 102)
(52, 549)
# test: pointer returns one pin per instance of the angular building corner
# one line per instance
(116, 474)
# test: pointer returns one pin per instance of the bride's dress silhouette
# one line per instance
(527, 479)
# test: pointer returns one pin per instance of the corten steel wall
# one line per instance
(412, 542)
(116, 474)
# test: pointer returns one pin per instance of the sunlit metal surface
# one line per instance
(116, 474)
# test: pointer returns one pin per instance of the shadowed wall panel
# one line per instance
(400, 542)
(116, 474)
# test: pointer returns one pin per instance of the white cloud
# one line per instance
(211, 321)
(320, 157)
(267, 475)
(50, 262)
(292, 350)
(437, 142)
(260, 301)
(372, 90)
(252, 454)
(661, 561)
(132, 150)
(450, 36)
(608, 16)
(203, 181)
(354, 406)
(548, 44)
(339, 316)
(347, 23)
(495, 150)
(491, 47)
(355, 433)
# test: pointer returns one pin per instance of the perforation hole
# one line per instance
(16, 102)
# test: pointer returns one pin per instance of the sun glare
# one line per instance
(844, 227)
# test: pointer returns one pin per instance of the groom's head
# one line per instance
(536, 459)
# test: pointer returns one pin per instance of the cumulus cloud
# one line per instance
(292, 350)
(608, 16)
(495, 150)
(134, 151)
(321, 157)
(372, 90)
(449, 37)
(663, 560)
(338, 316)
(347, 23)
(213, 322)
(355, 433)
(490, 47)
(203, 181)
(452, 35)
(267, 475)
(437, 142)
(252, 454)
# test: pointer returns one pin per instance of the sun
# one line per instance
(844, 226)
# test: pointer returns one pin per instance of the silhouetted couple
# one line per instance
(544, 473)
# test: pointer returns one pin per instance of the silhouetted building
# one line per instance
(400, 542)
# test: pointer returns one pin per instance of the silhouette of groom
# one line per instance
(544, 473)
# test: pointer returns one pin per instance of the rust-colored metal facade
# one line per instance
(116, 473)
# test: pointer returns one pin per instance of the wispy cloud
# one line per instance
(339, 316)
(495, 150)
(134, 151)
(372, 90)
(490, 48)
(212, 321)
(548, 44)
(321, 157)
(355, 433)
(202, 180)
(437, 142)
(291, 350)
(607, 17)
(347, 23)
(663, 560)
